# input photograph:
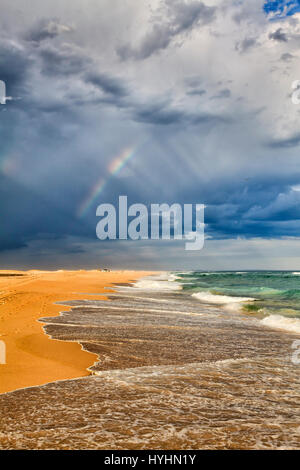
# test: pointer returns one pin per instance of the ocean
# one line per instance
(187, 360)
(273, 295)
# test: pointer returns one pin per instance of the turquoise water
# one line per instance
(275, 292)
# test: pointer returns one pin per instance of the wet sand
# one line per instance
(32, 358)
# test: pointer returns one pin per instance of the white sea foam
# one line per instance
(173, 277)
(163, 282)
(233, 307)
(209, 298)
(296, 273)
(157, 285)
(282, 323)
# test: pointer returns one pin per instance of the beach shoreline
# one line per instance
(33, 358)
(173, 372)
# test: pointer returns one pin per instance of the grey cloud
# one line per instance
(165, 114)
(245, 45)
(212, 119)
(158, 113)
(225, 93)
(67, 61)
(63, 60)
(187, 15)
(196, 92)
(159, 38)
(46, 29)
(176, 17)
(278, 35)
(107, 83)
(292, 141)
(238, 17)
(286, 57)
(194, 85)
(193, 82)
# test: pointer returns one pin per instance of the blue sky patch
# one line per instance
(282, 8)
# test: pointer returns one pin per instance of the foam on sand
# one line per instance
(282, 323)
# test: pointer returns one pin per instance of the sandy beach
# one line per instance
(32, 357)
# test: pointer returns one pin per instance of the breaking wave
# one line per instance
(220, 299)
(282, 323)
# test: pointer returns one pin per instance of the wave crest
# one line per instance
(206, 297)
(282, 323)
(157, 284)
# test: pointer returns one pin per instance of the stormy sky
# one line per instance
(168, 101)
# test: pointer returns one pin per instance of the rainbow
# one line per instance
(113, 169)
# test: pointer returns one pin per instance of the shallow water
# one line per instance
(173, 373)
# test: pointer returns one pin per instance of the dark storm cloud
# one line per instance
(176, 17)
(14, 66)
(265, 209)
(284, 207)
(278, 35)
(77, 114)
(28, 215)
